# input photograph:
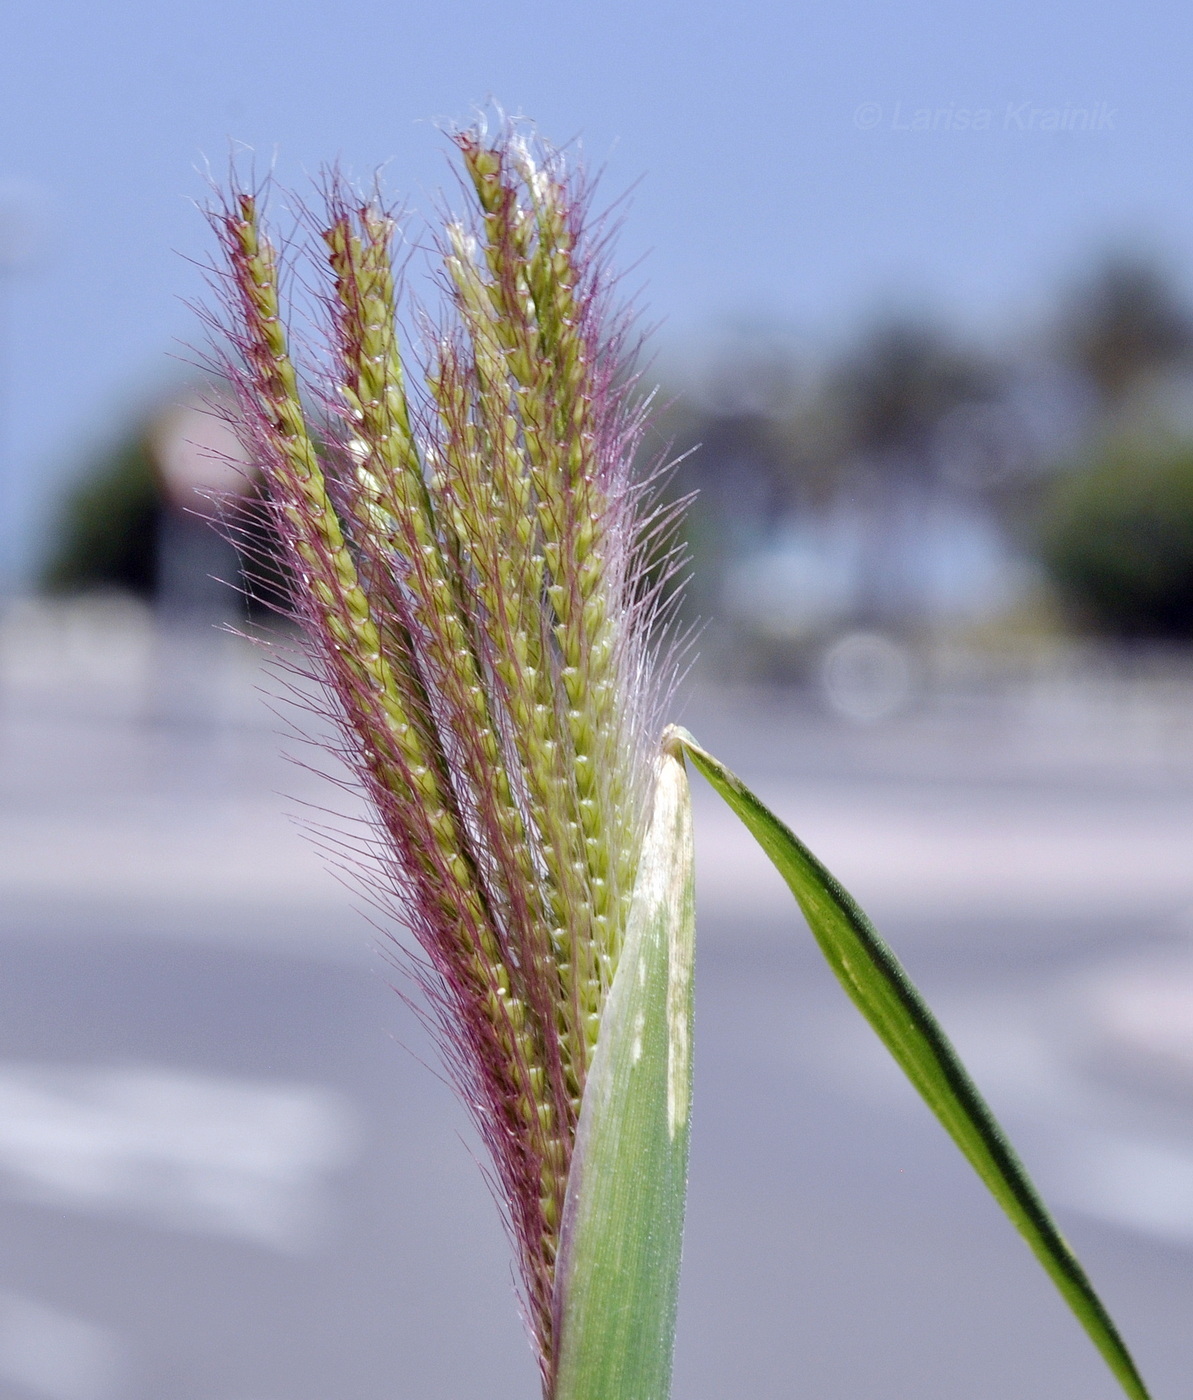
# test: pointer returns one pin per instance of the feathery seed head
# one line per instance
(467, 542)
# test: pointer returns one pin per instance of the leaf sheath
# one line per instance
(617, 1277)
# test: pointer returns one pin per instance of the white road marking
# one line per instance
(223, 1156)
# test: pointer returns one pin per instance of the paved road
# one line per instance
(226, 1175)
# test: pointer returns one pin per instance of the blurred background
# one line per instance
(923, 288)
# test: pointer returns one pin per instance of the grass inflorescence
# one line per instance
(469, 548)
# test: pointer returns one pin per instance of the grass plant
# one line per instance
(482, 582)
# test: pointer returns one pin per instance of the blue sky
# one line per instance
(784, 177)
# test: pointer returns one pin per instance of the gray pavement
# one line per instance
(226, 1172)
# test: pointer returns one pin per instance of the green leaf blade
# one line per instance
(617, 1275)
(881, 989)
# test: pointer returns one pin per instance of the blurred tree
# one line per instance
(1126, 322)
(895, 389)
(890, 399)
(1117, 541)
(752, 384)
(729, 434)
(107, 530)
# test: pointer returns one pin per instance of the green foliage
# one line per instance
(882, 991)
(1117, 540)
(106, 532)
